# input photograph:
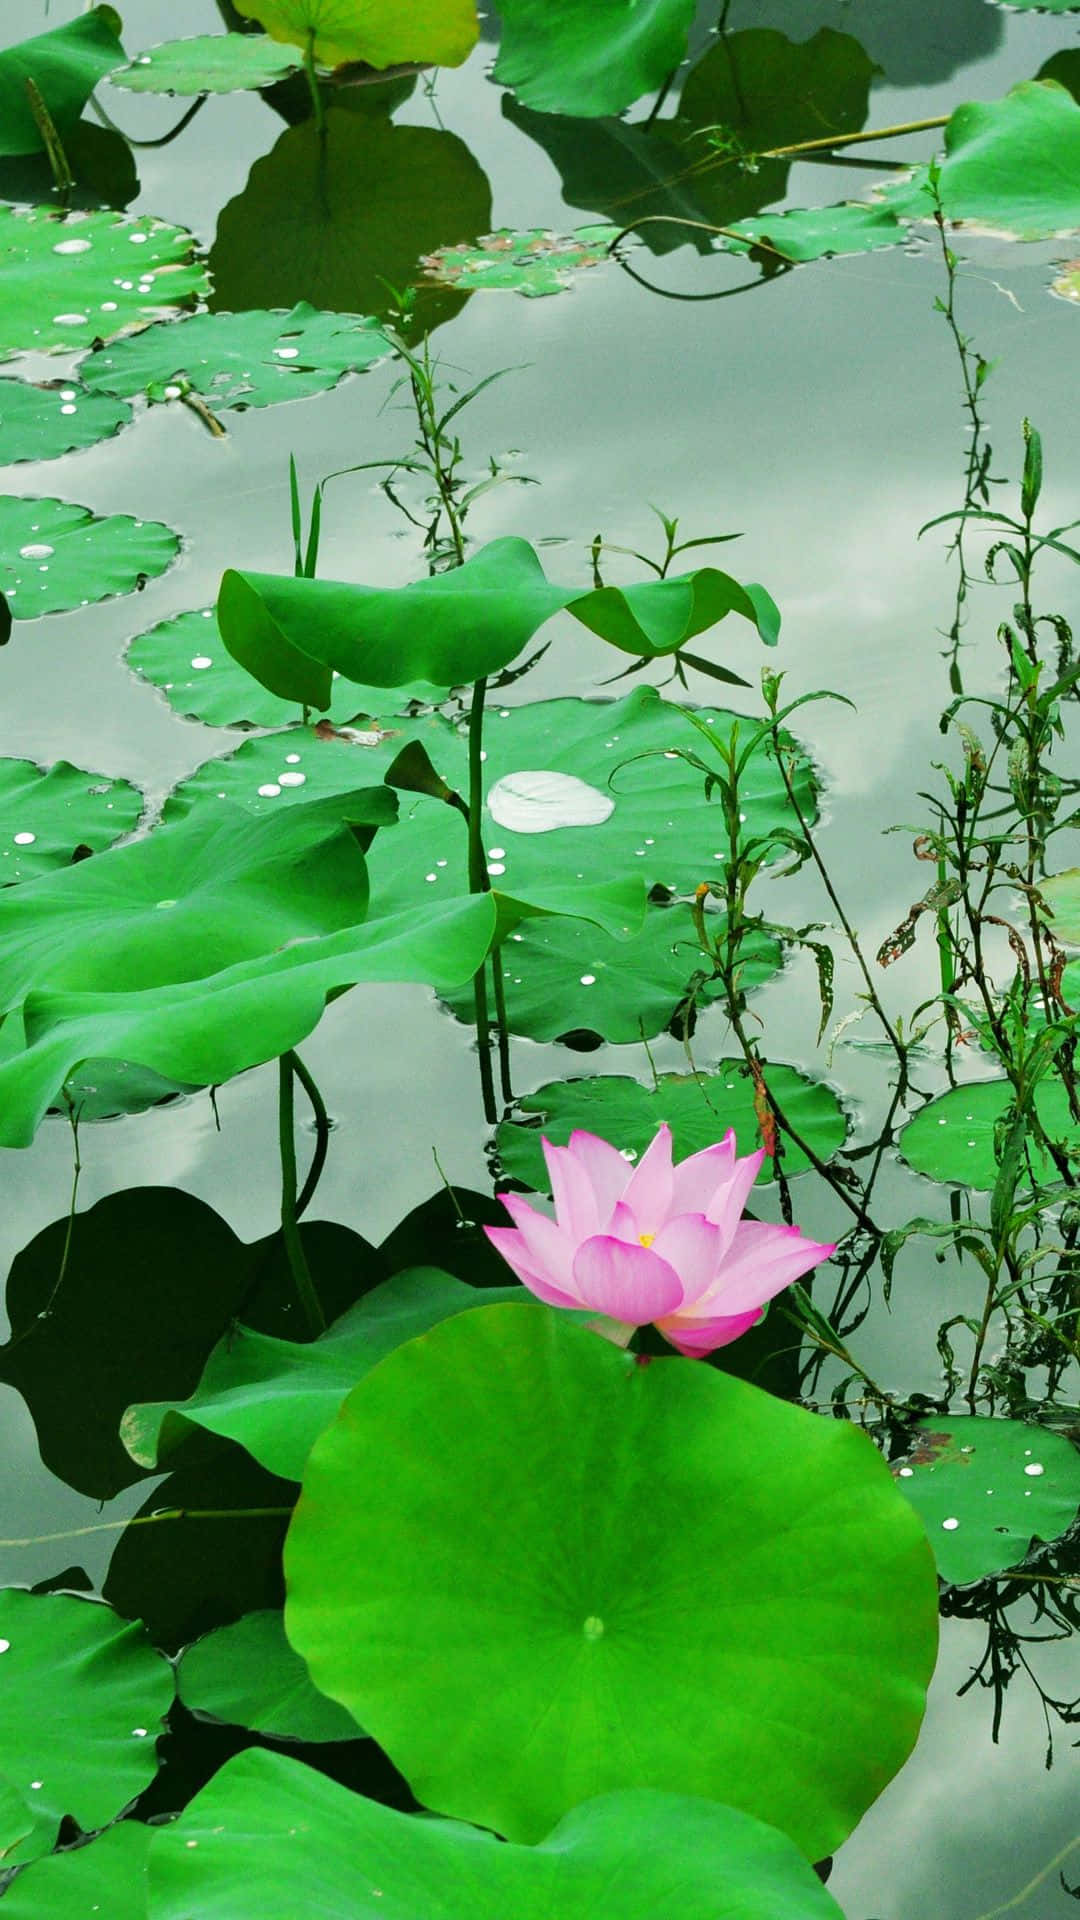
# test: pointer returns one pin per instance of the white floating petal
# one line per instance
(538, 801)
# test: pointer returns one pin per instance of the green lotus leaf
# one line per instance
(274, 1397)
(659, 829)
(107, 1877)
(753, 90)
(456, 627)
(570, 1539)
(952, 1138)
(340, 220)
(986, 1489)
(209, 63)
(84, 1697)
(72, 278)
(563, 977)
(379, 32)
(65, 67)
(57, 555)
(248, 1675)
(536, 262)
(634, 1855)
(1061, 893)
(591, 60)
(239, 359)
(698, 1109)
(48, 816)
(185, 658)
(40, 422)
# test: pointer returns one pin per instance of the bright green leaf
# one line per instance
(985, 1489)
(698, 1110)
(570, 1537)
(47, 815)
(952, 1138)
(65, 66)
(248, 1675)
(561, 57)
(84, 1697)
(1061, 893)
(72, 278)
(208, 63)
(108, 1877)
(40, 422)
(59, 555)
(627, 1856)
(380, 32)
(239, 359)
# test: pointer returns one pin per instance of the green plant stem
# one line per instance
(479, 883)
(150, 1520)
(322, 1134)
(502, 1030)
(290, 1231)
(61, 172)
(313, 83)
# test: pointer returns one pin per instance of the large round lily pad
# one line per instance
(986, 1489)
(239, 359)
(40, 422)
(650, 1575)
(698, 1109)
(209, 63)
(248, 1675)
(952, 1138)
(57, 555)
(564, 60)
(70, 279)
(186, 658)
(265, 1825)
(48, 815)
(84, 1697)
(659, 826)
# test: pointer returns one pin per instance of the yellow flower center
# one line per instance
(646, 1239)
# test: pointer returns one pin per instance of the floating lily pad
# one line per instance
(49, 815)
(58, 555)
(186, 658)
(248, 1675)
(72, 278)
(274, 1397)
(349, 213)
(84, 1698)
(660, 828)
(699, 1112)
(570, 1541)
(535, 262)
(107, 1877)
(40, 422)
(379, 32)
(952, 1138)
(1066, 282)
(563, 977)
(209, 63)
(986, 1489)
(652, 1853)
(590, 61)
(239, 359)
(65, 67)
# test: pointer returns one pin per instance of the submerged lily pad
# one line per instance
(72, 278)
(186, 659)
(209, 63)
(594, 60)
(699, 1110)
(65, 67)
(50, 815)
(569, 1541)
(985, 1489)
(41, 422)
(58, 555)
(654, 1853)
(534, 262)
(248, 1675)
(952, 1138)
(84, 1698)
(240, 359)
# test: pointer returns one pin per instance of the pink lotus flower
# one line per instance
(655, 1242)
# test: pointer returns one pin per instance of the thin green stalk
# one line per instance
(290, 1231)
(502, 1030)
(50, 139)
(479, 883)
(322, 1134)
(313, 83)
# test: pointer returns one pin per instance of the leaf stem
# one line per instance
(290, 1231)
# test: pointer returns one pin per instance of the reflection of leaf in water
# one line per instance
(101, 160)
(333, 222)
(762, 88)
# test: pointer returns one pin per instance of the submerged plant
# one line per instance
(661, 1243)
